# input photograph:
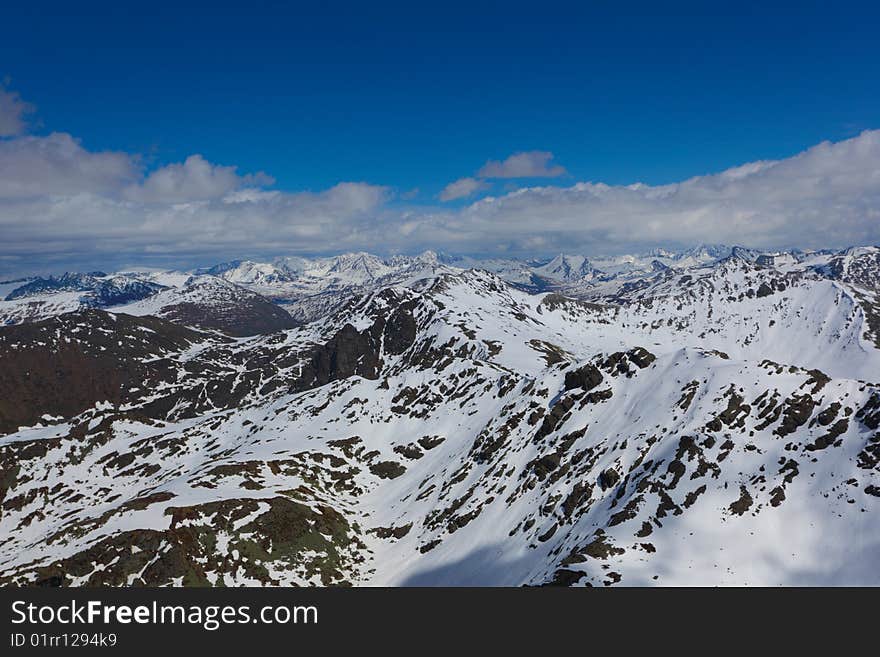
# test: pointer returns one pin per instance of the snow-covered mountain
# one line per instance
(630, 264)
(250, 273)
(859, 266)
(201, 301)
(711, 423)
(566, 268)
(37, 298)
(309, 288)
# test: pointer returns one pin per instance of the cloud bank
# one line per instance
(62, 203)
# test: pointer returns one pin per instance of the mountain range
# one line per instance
(699, 417)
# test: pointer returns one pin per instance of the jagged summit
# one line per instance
(567, 268)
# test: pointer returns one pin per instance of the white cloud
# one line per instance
(192, 180)
(462, 188)
(829, 195)
(62, 203)
(101, 225)
(528, 164)
(58, 165)
(12, 112)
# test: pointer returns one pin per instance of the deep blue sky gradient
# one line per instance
(416, 95)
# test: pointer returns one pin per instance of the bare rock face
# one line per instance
(348, 353)
(399, 332)
(359, 353)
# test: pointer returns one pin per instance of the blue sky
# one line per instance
(414, 96)
(315, 93)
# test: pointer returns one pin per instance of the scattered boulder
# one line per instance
(764, 290)
(586, 377)
(608, 478)
(641, 357)
(387, 469)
